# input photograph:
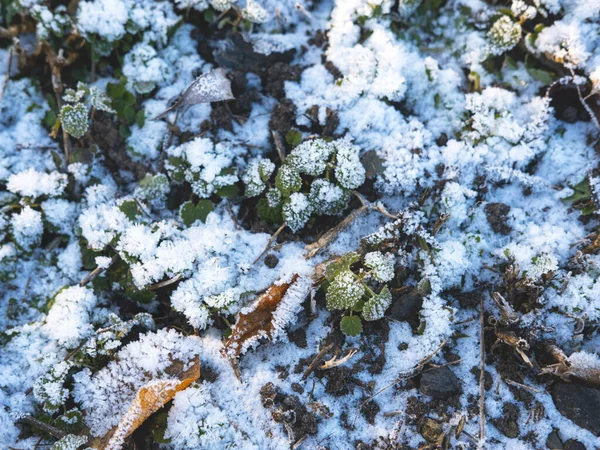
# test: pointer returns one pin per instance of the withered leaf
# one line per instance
(149, 399)
(259, 321)
(209, 87)
(580, 365)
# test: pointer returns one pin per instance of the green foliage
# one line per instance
(345, 291)
(351, 325)
(131, 209)
(190, 213)
(123, 102)
(504, 35)
(69, 442)
(74, 115)
(582, 197)
(347, 286)
(375, 307)
(293, 137)
(315, 179)
(74, 119)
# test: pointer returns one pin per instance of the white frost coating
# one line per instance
(68, 320)
(103, 17)
(107, 395)
(27, 227)
(32, 183)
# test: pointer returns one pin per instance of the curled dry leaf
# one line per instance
(209, 87)
(267, 317)
(149, 399)
(582, 365)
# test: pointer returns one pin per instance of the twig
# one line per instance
(330, 235)
(278, 145)
(315, 362)
(271, 239)
(233, 218)
(175, 279)
(7, 77)
(523, 386)
(42, 426)
(56, 62)
(334, 362)
(584, 103)
(97, 271)
(481, 374)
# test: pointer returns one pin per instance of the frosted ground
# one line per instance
(423, 175)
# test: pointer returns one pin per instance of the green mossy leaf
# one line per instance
(351, 325)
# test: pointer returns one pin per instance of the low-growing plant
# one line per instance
(74, 115)
(315, 179)
(358, 287)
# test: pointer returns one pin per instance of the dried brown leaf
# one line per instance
(209, 87)
(258, 322)
(149, 399)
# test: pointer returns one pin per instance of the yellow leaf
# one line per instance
(149, 399)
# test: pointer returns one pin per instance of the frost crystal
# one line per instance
(68, 320)
(254, 12)
(74, 119)
(382, 266)
(327, 198)
(27, 227)
(310, 157)
(296, 211)
(504, 35)
(349, 171)
(375, 307)
(31, 183)
(344, 291)
(256, 175)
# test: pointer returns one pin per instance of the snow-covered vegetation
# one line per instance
(274, 224)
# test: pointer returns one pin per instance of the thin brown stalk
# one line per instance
(481, 374)
(271, 240)
(97, 271)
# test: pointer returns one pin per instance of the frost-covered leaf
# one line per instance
(381, 265)
(74, 119)
(351, 325)
(210, 87)
(341, 264)
(100, 100)
(268, 316)
(190, 213)
(287, 180)
(296, 211)
(149, 399)
(581, 365)
(375, 307)
(69, 442)
(345, 291)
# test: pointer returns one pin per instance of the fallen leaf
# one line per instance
(209, 87)
(267, 316)
(149, 399)
(581, 365)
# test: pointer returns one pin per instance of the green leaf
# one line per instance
(344, 263)
(351, 325)
(130, 209)
(140, 118)
(293, 137)
(190, 213)
(582, 192)
(231, 190)
(74, 119)
(268, 214)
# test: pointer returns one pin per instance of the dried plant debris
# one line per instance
(210, 87)
(373, 224)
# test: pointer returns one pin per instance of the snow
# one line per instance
(439, 116)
